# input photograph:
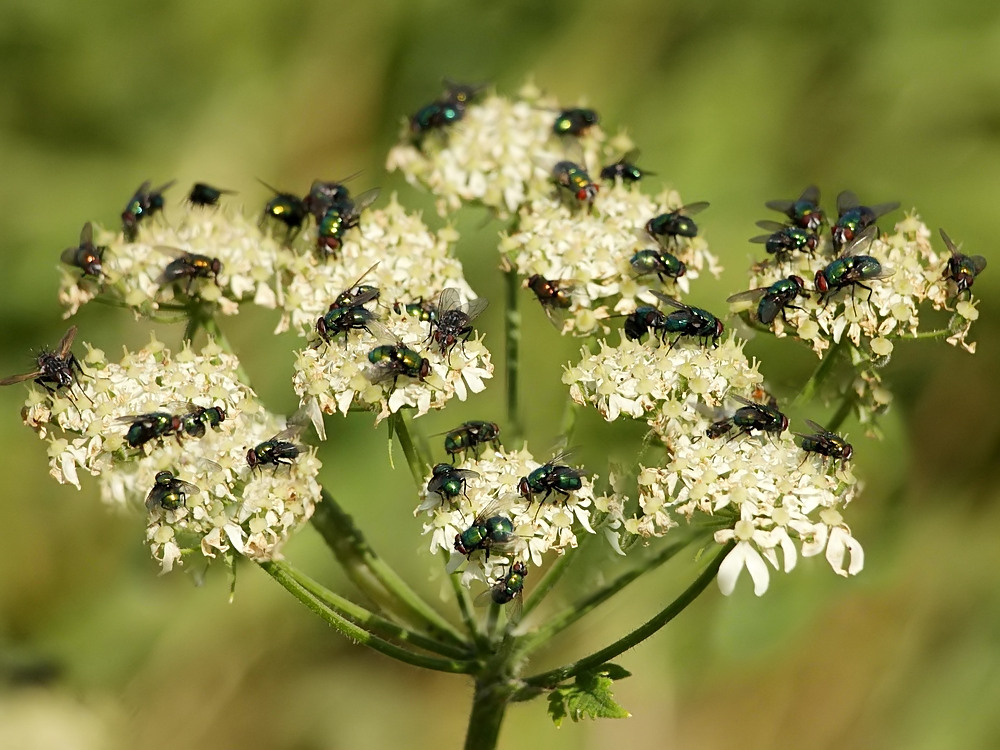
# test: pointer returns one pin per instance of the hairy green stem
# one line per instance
(368, 620)
(567, 617)
(356, 632)
(370, 573)
(512, 334)
(552, 678)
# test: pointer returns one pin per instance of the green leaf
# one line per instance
(589, 696)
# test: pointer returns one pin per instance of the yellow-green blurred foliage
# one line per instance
(731, 102)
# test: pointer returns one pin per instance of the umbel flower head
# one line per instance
(189, 415)
(395, 252)
(541, 526)
(911, 272)
(499, 155)
(771, 498)
(592, 251)
(764, 492)
(219, 256)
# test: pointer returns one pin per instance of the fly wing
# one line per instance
(846, 201)
(475, 307)
(771, 226)
(21, 378)
(693, 208)
(66, 343)
(750, 295)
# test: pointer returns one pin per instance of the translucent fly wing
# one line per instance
(66, 343)
(692, 208)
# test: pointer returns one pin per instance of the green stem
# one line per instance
(570, 615)
(512, 333)
(369, 620)
(371, 574)
(819, 375)
(846, 404)
(489, 705)
(554, 677)
(928, 334)
(359, 634)
(418, 465)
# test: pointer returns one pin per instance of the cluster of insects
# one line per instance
(493, 530)
(765, 418)
(449, 325)
(328, 203)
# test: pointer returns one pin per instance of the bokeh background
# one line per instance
(731, 102)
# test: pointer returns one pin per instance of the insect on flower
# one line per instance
(825, 443)
(169, 492)
(56, 369)
(489, 530)
(86, 256)
(142, 205)
(962, 269)
(625, 170)
(851, 269)
(469, 436)
(284, 208)
(188, 266)
(804, 212)
(574, 178)
(449, 482)
(205, 195)
(784, 240)
(772, 300)
(575, 121)
(853, 218)
(280, 449)
(454, 318)
(677, 223)
(749, 417)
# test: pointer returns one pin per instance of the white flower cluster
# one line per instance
(915, 274)
(501, 154)
(133, 271)
(658, 382)
(766, 492)
(769, 495)
(234, 508)
(541, 526)
(395, 252)
(591, 251)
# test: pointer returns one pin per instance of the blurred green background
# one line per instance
(730, 102)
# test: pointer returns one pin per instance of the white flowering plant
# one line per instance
(388, 325)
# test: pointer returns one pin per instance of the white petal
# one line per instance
(841, 545)
(731, 567)
(757, 570)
